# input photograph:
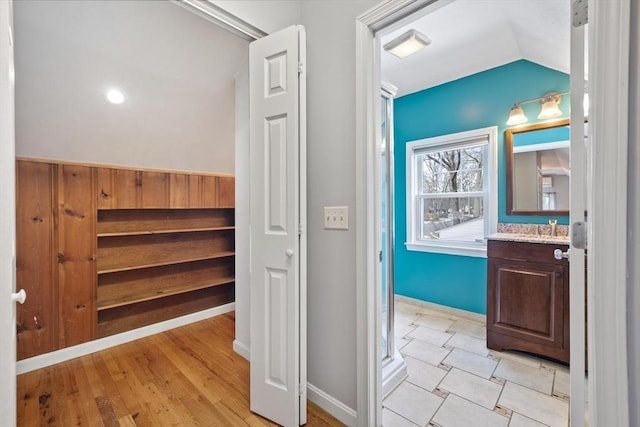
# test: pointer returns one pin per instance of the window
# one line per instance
(451, 192)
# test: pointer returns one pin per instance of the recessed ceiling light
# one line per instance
(407, 44)
(115, 96)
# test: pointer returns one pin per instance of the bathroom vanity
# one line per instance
(528, 295)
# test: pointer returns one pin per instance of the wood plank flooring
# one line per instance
(188, 376)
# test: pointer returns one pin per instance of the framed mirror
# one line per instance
(538, 169)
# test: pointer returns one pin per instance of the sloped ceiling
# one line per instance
(470, 36)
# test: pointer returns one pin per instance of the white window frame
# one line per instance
(490, 207)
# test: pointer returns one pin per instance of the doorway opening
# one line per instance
(420, 111)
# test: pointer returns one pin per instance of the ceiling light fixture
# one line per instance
(407, 44)
(115, 96)
(549, 108)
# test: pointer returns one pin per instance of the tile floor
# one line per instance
(455, 380)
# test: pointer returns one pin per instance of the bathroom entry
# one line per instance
(456, 57)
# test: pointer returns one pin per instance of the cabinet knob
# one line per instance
(558, 254)
(289, 253)
(558, 275)
(38, 323)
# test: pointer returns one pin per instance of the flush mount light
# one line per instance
(549, 108)
(115, 96)
(407, 44)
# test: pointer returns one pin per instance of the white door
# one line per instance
(277, 211)
(578, 203)
(7, 222)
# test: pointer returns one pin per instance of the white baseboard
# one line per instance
(393, 374)
(339, 410)
(242, 349)
(58, 356)
(443, 308)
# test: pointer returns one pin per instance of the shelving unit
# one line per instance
(155, 264)
(104, 249)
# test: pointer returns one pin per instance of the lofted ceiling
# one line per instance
(470, 36)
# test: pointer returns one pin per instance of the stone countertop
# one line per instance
(530, 238)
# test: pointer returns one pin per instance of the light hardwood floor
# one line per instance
(188, 376)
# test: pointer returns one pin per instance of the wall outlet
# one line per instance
(336, 217)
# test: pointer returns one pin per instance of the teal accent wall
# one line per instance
(473, 102)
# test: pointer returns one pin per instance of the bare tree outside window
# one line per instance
(451, 193)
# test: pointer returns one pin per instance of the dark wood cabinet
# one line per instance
(528, 299)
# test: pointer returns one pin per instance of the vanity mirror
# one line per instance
(538, 170)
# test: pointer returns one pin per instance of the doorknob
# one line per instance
(558, 254)
(289, 253)
(19, 296)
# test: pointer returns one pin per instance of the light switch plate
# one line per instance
(336, 217)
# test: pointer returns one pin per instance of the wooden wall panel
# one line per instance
(106, 188)
(226, 192)
(127, 188)
(209, 191)
(35, 254)
(194, 191)
(76, 254)
(155, 189)
(178, 190)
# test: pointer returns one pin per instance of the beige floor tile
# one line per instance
(535, 405)
(471, 344)
(403, 307)
(401, 330)
(391, 419)
(561, 382)
(458, 412)
(437, 323)
(471, 362)
(401, 342)
(403, 318)
(413, 403)
(429, 335)
(518, 420)
(523, 358)
(471, 387)
(423, 374)
(426, 352)
(539, 379)
(469, 327)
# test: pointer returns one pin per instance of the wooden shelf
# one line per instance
(144, 221)
(122, 268)
(168, 231)
(131, 316)
(165, 293)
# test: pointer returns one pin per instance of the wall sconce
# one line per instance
(549, 108)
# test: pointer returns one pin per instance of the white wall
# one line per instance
(331, 52)
(175, 68)
(633, 211)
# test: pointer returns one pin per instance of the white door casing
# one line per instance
(578, 187)
(7, 220)
(278, 283)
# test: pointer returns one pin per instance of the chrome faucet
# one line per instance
(553, 223)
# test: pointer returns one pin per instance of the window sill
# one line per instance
(449, 249)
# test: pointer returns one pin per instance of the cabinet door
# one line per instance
(76, 254)
(35, 254)
(527, 308)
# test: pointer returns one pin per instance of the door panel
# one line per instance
(7, 220)
(277, 280)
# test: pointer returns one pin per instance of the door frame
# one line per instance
(608, 65)
(8, 396)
